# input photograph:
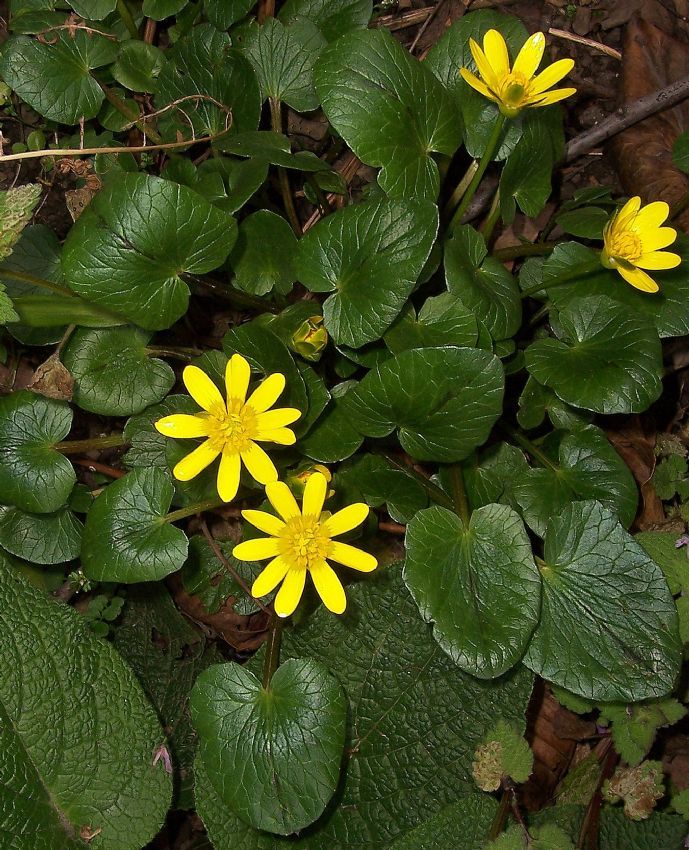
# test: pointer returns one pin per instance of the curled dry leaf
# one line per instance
(652, 59)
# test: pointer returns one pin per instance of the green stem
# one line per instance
(460, 188)
(192, 510)
(500, 817)
(573, 274)
(185, 354)
(37, 281)
(530, 447)
(272, 658)
(437, 494)
(236, 296)
(276, 126)
(491, 218)
(127, 18)
(459, 493)
(487, 157)
(528, 249)
(72, 447)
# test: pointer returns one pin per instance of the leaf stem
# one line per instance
(576, 272)
(529, 447)
(288, 200)
(192, 510)
(235, 296)
(127, 18)
(500, 816)
(459, 493)
(461, 188)
(492, 218)
(528, 249)
(437, 494)
(491, 147)
(272, 658)
(185, 354)
(37, 281)
(70, 447)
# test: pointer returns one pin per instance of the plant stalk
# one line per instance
(37, 281)
(437, 494)
(70, 447)
(574, 273)
(459, 493)
(272, 659)
(288, 200)
(529, 446)
(192, 510)
(127, 18)
(529, 249)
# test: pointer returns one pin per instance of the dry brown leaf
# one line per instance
(53, 380)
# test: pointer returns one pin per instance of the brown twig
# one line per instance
(402, 21)
(588, 834)
(588, 42)
(96, 466)
(217, 551)
(266, 9)
(393, 528)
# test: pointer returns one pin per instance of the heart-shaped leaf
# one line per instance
(390, 110)
(332, 17)
(263, 257)
(78, 735)
(477, 583)
(138, 66)
(113, 373)
(442, 320)
(161, 9)
(40, 538)
(126, 538)
(443, 400)
(606, 357)
(332, 438)
(92, 10)
(370, 256)
(223, 13)
(33, 475)
(608, 628)
(481, 283)
(54, 78)
(578, 466)
(377, 482)
(275, 148)
(272, 753)
(139, 234)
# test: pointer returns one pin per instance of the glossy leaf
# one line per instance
(377, 482)
(40, 538)
(263, 256)
(333, 437)
(138, 66)
(223, 13)
(608, 628)
(442, 320)
(332, 17)
(477, 583)
(161, 9)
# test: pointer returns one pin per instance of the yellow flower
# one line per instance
(233, 428)
(515, 89)
(300, 542)
(631, 241)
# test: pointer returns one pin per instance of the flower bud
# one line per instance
(310, 338)
(297, 481)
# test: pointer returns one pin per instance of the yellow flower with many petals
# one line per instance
(632, 239)
(515, 88)
(233, 427)
(301, 542)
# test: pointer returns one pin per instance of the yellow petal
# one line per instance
(627, 214)
(182, 425)
(352, 557)
(202, 389)
(656, 260)
(329, 587)
(346, 519)
(551, 75)
(550, 97)
(652, 215)
(260, 467)
(314, 495)
(281, 498)
(530, 55)
(195, 462)
(281, 436)
(271, 576)
(277, 418)
(495, 50)
(256, 550)
(638, 279)
(477, 84)
(290, 593)
(228, 476)
(661, 237)
(267, 392)
(482, 64)
(237, 377)
(265, 522)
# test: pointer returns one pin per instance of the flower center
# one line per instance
(624, 245)
(513, 89)
(232, 429)
(303, 542)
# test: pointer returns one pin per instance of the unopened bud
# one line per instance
(310, 338)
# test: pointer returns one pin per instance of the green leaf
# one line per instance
(659, 832)
(148, 446)
(272, 753)
(54, 78)
(167, 654)
(585, 222)
(93, 10)
(332, 17)
(126, 538)
(161, 9)
(444, 401)
(262, 258)
(482, 283)
(33, 475)
(129, 247)
(380, 483)
(333, 437)
(577, 466)
(113, 374)
(442, 320)
(414, 723)
(223, 13)
(204, 63)
(370, 256)
(72, 761)
(608, 628)
(16, 208)
(525, 178)
(504, 752)
(138, 65)
(461, 825)
(274, 148)
(40, 538)
(536, 401)
(489, 477)
(390, 110)
(283, 58)
(661, 546)
(680, 152)
(606, 358)
(477, 583)
(634, 727)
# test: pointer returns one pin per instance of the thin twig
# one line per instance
(399, 22)
(589, 42)
(393, 528)
(96, 466)
(424, 26)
